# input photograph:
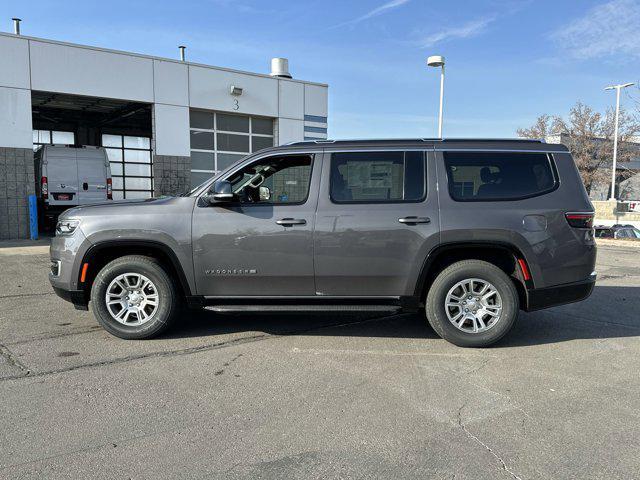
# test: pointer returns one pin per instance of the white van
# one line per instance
(70, 176)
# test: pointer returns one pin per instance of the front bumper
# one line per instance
(77, 297)
(539, 298)
(66, 253)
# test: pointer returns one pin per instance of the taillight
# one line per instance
(109, 189)
(580, 220)
(44, 187)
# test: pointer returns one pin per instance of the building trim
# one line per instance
(152, 57)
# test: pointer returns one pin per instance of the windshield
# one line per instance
(197, 187)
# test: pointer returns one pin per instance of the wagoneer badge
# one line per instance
(231, 271)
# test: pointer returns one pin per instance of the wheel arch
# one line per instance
(101, 253)
(503, 255)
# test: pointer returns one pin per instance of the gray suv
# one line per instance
(470, 231)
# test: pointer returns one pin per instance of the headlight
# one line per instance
(67, 227)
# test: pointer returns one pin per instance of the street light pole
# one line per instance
(441, 102)
(617, 88)
(438, 61)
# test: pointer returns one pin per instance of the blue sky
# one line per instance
(508, 61)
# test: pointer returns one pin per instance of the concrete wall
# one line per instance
(171, 174)
(91, 72)
(16, 129)
(171, 130)
(17, 182)
(607, 213)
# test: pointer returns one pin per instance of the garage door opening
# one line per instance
(123, 128)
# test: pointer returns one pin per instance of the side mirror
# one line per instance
(222, 192)
(265, 194)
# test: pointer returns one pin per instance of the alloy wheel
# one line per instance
(131, 299)
(473, 305)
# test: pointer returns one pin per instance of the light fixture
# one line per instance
(438, 61)
(237, 91)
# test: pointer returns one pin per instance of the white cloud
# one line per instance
(382, 9)
(466, 30)
(610, 28)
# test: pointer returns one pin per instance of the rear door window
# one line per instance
(485, 176)
(378, 177)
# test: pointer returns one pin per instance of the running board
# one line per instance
(302, 308)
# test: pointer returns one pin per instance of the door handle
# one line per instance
(291, 221)
(414, 220)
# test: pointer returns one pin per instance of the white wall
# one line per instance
(290, 131)
(171, 82)
(291, 99)
(171, 130)
(27, 63)
(83, 71)
(209, 89)
(15, 96)
(315, 100)
(14, 62)
(15, 118)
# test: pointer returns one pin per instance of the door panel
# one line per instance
(373, 249)
(62, 175)
(92, 176)
(257, 250)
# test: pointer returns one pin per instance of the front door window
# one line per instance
(274, 181)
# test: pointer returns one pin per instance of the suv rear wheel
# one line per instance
(133, 298)
(472, 303)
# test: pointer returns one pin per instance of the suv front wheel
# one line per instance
(133, 298)
(472, 303)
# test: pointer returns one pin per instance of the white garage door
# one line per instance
(220, 139)
(131, 170)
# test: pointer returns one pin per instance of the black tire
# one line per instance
(457, 272)
(168, 300)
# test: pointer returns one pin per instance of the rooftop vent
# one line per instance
(280, 67)
(16, 25)
(182, 48)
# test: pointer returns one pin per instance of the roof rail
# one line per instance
(405, 140)
(517, 139)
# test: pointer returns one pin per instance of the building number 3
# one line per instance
(236, 104)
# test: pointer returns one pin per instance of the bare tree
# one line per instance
(545, 126)
(589, 136)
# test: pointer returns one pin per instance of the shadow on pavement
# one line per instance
(609, 313)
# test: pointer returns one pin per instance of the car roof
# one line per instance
(513, 144)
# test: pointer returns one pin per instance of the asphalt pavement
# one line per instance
(319, 396)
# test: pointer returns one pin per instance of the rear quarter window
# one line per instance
(487, 176)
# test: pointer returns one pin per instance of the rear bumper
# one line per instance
(539, 298)
(77, 297)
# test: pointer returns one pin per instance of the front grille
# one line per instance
(55, 268)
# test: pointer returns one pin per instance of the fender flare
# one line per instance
(166, 250)
(438, 250)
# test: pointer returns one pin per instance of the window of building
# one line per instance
(274, 180)
(483, 176)
(52, 137)
(221, 139)
(378, 177)
(131, 165)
